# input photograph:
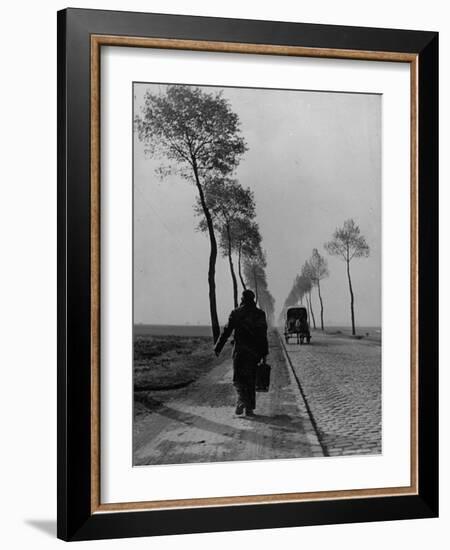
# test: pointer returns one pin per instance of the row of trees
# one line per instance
(256, 280)
(233, 211)
(347, 243)
(312, 272)
(199, 136)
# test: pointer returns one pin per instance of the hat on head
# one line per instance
(248, 296)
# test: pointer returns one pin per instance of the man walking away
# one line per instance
(250, 346)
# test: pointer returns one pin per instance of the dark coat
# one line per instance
(250, 332)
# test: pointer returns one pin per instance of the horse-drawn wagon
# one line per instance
(296, 325)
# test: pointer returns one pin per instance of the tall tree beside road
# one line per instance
(307, 275)
(256, 280)
(348, 243)
(301, 288)
(230, 205)
(199, 134)
(254, 272)
(318, 270)
(267, 304)
(248, 243)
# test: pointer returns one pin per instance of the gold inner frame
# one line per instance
(97, 41)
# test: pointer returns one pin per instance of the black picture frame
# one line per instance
(76, 520)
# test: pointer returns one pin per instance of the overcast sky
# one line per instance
(313, 161)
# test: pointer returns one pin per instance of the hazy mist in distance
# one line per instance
(314, 160)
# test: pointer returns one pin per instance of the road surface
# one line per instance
(198, 423)
(324, 399)
(341, 381)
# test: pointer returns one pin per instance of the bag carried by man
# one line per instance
(263, 377)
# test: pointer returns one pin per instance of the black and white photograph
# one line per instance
(257, 237)
(223, 240)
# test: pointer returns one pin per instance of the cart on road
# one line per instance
(297, 325)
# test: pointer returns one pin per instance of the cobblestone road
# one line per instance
(341, 380)
(198, 424)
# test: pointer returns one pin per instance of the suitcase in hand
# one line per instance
(262, 377)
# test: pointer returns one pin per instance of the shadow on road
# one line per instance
(282, 422)
(278, 424)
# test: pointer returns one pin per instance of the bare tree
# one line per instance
(348, 243)
(199, 134)
(318, 268)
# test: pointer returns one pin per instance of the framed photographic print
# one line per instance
(247, 255)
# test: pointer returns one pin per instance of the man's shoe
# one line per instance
(249, 412)
(239, 408)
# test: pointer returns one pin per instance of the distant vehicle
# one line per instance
(296, 325)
